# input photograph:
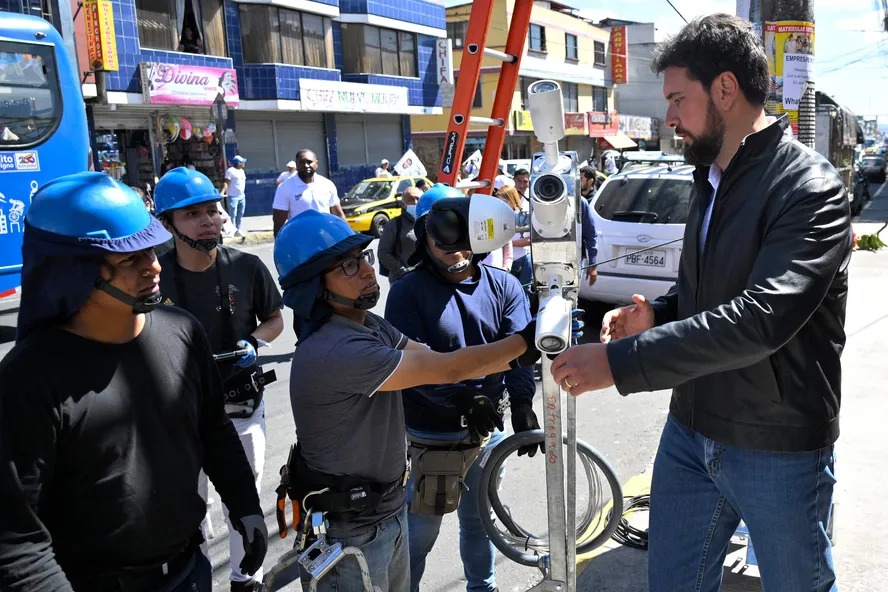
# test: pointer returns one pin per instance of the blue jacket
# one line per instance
(448, 317)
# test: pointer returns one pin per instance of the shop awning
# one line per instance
(620, 141)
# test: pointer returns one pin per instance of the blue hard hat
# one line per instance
(436, 192)
(182, 187)
(97, 210)
(309, 242)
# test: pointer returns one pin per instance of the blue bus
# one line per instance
(43, 130)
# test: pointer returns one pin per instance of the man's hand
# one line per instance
(248, 360)
(479, 412)
(583, 368)
(591, 275)
(255, 536)
(532, 355)
(524, 419)
(627, 320)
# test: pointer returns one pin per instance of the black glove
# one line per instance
(524, 419)
(532, 355)
(479, 412)
(255, 536)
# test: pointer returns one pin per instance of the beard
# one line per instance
(704, 149)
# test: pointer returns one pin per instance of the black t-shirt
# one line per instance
(108, 440)
(252, 296)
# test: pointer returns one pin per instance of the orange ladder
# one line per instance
(464, 94)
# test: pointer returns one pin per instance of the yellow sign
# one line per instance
(101, 45)
(789, 46)
(523, 122)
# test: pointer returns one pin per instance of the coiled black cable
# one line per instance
(626, 534)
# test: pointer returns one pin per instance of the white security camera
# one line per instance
(546, 110)
(553, 324)
(481, 224)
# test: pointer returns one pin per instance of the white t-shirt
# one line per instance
(237, 182)
(381, 172)
(285, 175)
(295, 196)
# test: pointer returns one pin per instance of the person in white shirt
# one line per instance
(383, 169)
(502, 179)
(290, 172)
(234, 191)
(306, 190)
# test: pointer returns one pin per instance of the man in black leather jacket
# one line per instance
(749, 338)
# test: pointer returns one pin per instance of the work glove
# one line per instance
(577, 324)
(479, 412)
(255, 536)
(532, 355)
(248, 360)
(524, 419)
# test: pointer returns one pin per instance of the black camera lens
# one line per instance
(549, 187)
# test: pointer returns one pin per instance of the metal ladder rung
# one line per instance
(501, 55)
(473, 184)
(488, 121)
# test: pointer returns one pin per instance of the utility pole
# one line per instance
(762, 11)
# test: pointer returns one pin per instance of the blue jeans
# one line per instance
(523, 270)
(236, 206)
(702, 489)
(385, 549)
(475, 549)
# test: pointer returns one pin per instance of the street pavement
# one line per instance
(625, 431)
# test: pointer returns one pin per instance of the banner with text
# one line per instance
(602, 123)
(101, 46)
(181, 84)
(789, 46)
(619, 47)
(326, 95)
(574, 123)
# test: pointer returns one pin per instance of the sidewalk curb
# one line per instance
(254, 237)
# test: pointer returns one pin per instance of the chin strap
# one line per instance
(362, 302)
(455, 268)
(205, 244)
(140, 304)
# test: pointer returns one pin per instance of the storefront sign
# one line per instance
(635, 126)
(523, 122)
(602, 123)
(444, 60)
(326, 95)
(575, 124)
(789, 46)
(101, 46)
(619, 47)
(181, 84)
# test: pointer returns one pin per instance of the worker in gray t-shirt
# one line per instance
(345, 390)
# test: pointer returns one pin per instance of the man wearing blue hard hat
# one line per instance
(107, 446)
(451, 301)
(346, 378)
(234, 297)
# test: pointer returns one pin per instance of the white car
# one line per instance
(644, 206)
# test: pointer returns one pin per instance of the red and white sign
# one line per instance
(575, 124)
(181, 84)
(603, 124)
(619, 47)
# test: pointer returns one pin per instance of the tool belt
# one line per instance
(243, 390)
(439, 470)
(344, 494)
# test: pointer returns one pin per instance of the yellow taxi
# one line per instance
(370, 204)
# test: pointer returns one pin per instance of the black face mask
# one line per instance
(362, 302)
(140, 304)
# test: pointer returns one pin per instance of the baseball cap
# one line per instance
(384, 161)
(239, 159)
(291, 164)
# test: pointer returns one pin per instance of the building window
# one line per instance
(457, 32)
(272, 35)
(373, 50)
(599, 99)
(525, 83)
(478, 101)
(599, 53)
(537, 38)
(570, 46)
(190, 26)
(570, 94)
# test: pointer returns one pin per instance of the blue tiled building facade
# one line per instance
(350, 47)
